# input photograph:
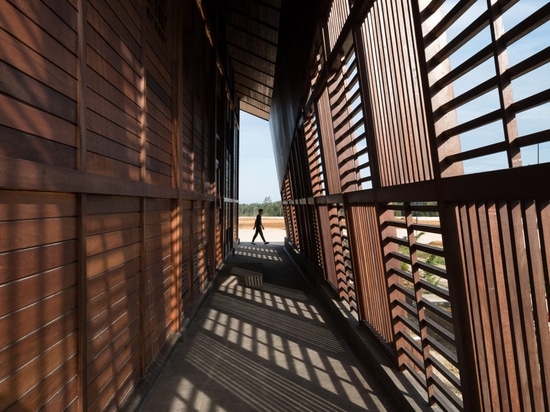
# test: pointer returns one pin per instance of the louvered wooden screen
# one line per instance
(314, 156)
(419, 295)
(395, 93)
(505, 251)
(430, 122)
(370, 273)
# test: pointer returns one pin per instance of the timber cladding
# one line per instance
(106, 193)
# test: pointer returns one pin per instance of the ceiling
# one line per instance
(252, 30)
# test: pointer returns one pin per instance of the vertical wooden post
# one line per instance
(142, 283)
(177, 121)
(82, 302)
(82, 84)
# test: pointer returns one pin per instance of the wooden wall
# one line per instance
(107, 193)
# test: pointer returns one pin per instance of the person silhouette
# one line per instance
(259, 227)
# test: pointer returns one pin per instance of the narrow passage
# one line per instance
(261, 343)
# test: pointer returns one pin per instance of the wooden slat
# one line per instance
(65, 399)
(35, 371)
(26, 59)
(370, 271)
(16, 115)
(26, 321)
(29, 33)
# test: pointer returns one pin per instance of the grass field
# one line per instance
(269, 222)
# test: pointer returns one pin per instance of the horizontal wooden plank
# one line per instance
(109, 306)
(118, 23)
(158, 91)
(113, 394)
(26, 175)
(62, 382)
(117, 133)
(96, 224)
(19, 55)
(158, 179)
(18, 115)
(157, 338)
(521, 183)
(20, 145)
(123, 45)
(29, 33)
(19, 264)
(61, 30)
(35, 344)
(158, 206)
(158, 167)
(104, 261)
(30, 233)
(127, 97)
(113, 168)
(112, 294)
(111, 240)
(29, 290)
(156, 43)
(119, 345)
(163, 153)
(112, 112)
(19, 204)
(160, 219)
(31, 374)
(27, 320)
(66, 11)
(163, 240)
(159, 110)
(158, 172)
(130, 14)
(105, 371)
(99, 205)
(158, 263)
(124, 325)
(103, 146)
(15, 83)
(110, 279)
(158, 136)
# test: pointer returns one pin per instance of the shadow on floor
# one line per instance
(263, 346)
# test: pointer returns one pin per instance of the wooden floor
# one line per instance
(263, 348)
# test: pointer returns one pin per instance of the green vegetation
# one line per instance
(270, 208)
(430, 259)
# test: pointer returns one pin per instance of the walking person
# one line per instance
(259, 227)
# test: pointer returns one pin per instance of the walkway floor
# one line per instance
(263, 347)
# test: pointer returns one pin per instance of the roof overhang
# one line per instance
(252, 31)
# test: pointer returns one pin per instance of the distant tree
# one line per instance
(270, 208)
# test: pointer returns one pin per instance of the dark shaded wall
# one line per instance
(297, 29)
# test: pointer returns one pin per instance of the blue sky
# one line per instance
(257, 173)
(528, 121)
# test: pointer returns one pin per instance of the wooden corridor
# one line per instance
(270, 347)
